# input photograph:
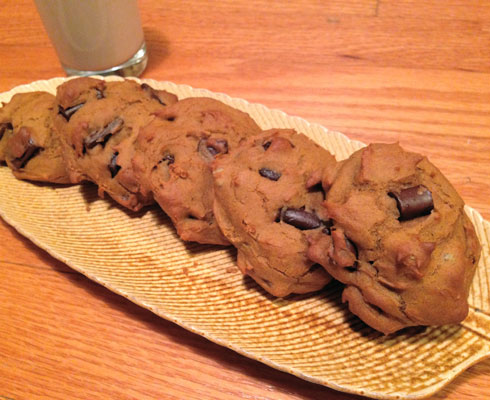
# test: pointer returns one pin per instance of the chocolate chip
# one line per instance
(25, 147)
(266, 145)
(413, 202)
(217, 146)
(68, 112)
(4, 126)
(153, 94)
(100, 136)
(113, 167)
(210, 147)
(301, 219)
(269, 174)
(99, 94)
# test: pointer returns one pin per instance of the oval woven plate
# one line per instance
(199, 287)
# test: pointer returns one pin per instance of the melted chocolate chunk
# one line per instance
(146, 87)
(99, 94)
(270, 174)
(67, 113)
(102, 135)
(30, 150)
(153, 94)
(217, 146)
(4, 126)
(210, 147)
(113, 167)
(413, 202)
(301, 219)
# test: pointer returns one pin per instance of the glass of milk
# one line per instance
(96, 37)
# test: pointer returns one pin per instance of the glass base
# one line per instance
(133, 67)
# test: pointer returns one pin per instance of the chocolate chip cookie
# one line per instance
(400, 240)
(268, 202)
(98, 122)
(172, 157)
(28, 142)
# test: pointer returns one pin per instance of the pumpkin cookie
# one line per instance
(400, 240)
(98, 122)
(28, 142)
(172, 161)
(268, 202)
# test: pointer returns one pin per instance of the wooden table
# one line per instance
(412, 71)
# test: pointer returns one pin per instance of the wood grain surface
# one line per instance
(412, 71)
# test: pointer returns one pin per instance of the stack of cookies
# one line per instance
(385, 222)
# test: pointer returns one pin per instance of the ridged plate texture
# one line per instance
(139, 256)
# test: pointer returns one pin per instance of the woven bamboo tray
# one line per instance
(314, 337)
